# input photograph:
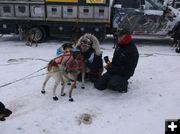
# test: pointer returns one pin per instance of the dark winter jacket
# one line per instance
(125, 59)
(96, 65)
(176, 31)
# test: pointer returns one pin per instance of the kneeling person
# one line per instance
(122, 67)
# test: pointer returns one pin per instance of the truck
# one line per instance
(73, 18)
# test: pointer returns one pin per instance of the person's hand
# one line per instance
(108, 67)
(106, 59)
(88, 70)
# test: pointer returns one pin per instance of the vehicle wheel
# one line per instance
(40, 34)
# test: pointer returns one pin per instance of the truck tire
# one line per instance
(40, 34)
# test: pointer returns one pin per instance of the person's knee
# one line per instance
(99, 85)
(117, 85)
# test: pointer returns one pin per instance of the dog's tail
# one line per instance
(50, 65)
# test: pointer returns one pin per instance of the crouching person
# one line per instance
(122, 67)
(88, 45)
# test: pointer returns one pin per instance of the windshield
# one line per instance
(154, 4)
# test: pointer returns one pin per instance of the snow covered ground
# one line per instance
(152, 98)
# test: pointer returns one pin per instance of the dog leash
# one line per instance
(22, 78)
(30, 77)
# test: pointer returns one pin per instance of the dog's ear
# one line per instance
(50, 62)
(67, 45)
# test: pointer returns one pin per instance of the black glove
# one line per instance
(106, 59)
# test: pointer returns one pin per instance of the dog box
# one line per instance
(21, 10)
(86, 11)
(37, 11)
(70, 11)
(101, 12)
(7, 10)
(54, 11)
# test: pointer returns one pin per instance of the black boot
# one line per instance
(124, 87)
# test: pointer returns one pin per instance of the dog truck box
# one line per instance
(57, 18)
(73, 18)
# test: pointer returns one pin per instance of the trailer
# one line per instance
(57, 18)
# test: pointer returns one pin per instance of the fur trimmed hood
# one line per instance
(95, 43)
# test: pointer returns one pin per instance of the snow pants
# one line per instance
(113, 82)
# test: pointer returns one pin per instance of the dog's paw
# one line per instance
(55, 98)
(63, 94)
(71, 99)
(43, 92)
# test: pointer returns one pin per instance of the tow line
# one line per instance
(24, 78)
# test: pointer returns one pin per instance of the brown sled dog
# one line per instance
(64, 73)
(30, 36)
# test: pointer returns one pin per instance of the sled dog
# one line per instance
(30, 36)
(64, 70)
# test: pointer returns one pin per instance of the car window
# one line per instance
(154, 4)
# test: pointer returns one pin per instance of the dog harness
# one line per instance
(61, 58)
(69, 55)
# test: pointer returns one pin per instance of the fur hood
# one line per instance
(95, 44)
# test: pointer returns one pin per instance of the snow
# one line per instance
(153, 94)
